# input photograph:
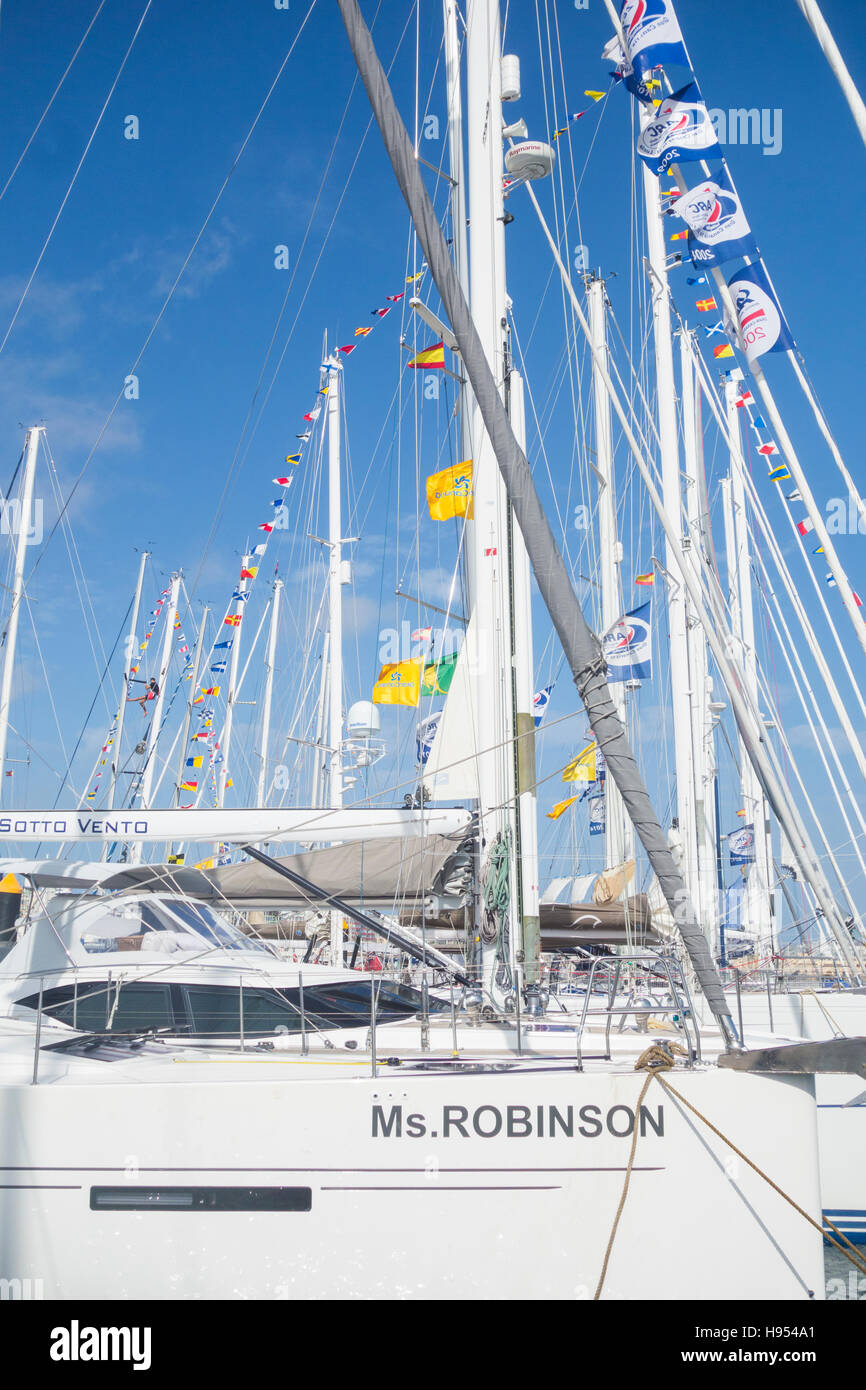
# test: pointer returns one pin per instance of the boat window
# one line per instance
(205, 922)
(348, 1002)
(217, 1010)
(100, 1008)
(201, 1199)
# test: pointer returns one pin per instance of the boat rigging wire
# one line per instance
(173, 287)
(63, 78)
(74, 178)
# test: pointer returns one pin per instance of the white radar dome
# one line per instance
(362, 721)
(531, 159)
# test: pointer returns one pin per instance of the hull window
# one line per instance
(201, 1199)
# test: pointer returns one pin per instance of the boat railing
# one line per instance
(609, 976)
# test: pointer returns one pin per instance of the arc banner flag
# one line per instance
(762, 323)
(718, 228)
(424, 736)
(582, 768)
(431, 357)
(398, 683)
(560, 807)
(627, 646)
(681, 130)
(741, 844)
(449, 493)
(652, 34)
(540, 701)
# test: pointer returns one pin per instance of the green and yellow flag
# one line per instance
(581, 768)
(399, 683)
(438, 676)
(449, 493)
(560, 807)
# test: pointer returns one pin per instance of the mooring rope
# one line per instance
(656, 1059)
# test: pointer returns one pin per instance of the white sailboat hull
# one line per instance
(418, 1186)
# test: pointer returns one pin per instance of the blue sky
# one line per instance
(180, 472)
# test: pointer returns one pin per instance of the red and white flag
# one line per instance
(805, 526)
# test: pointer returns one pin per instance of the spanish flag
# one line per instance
(431, 357)
(581, 768)
(645, 578)
(560, 807)
(398, 683)
(449, 493)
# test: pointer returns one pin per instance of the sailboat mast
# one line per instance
(335, 595)
(335, 625)
(238, 609)
(760, 897)
(488, 567)
(128, 662)
(619, 836)
(454, 100)
(701, 684)
(31, 449)
(195, 677)
(672, 498)
(526, 856)
(146, 787)
(269, 693)
(818, 25)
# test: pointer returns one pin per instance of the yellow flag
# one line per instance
(581, 768)
(399, 683)
(560, 807)
(449, 493)
(205, 864)
(596, 96)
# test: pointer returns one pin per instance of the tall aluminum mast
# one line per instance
(619, 834)
(270, 664)
(128, 658)
(497, 568)
(31, 449)
(672, 497)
